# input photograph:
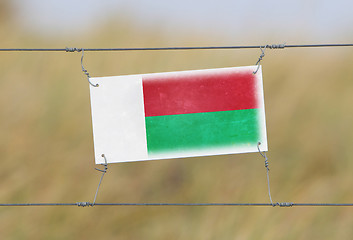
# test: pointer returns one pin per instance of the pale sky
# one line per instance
(315, 20)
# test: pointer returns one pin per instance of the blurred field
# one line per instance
(46, 145)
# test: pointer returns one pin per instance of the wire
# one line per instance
(273, 46)
(86, 204)
(104, 171)
(35, 204)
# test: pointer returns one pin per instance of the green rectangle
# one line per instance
(201, 130)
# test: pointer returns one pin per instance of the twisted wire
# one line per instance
(82, 67)
(263, 154)
(87, 204)
(270, 46)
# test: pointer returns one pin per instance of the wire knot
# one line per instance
(263, 154)
(105, 164)
(84, 204)
(276, 46)
(260, 59)
(283, 204)
(267, 164)
(68, 49)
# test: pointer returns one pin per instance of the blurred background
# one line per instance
(46, 144)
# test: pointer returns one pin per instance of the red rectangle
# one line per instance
(199, 91)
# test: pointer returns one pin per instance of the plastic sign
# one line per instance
(178, 114)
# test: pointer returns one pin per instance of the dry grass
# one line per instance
(47, 149)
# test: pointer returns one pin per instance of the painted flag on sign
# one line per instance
(178, 114)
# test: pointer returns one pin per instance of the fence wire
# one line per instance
(89, 204)
(268, 46)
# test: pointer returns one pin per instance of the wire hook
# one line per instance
(86, 72)
(103, 172)
(263, 154)
(260, 58)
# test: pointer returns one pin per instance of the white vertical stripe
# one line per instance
(118, 119)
